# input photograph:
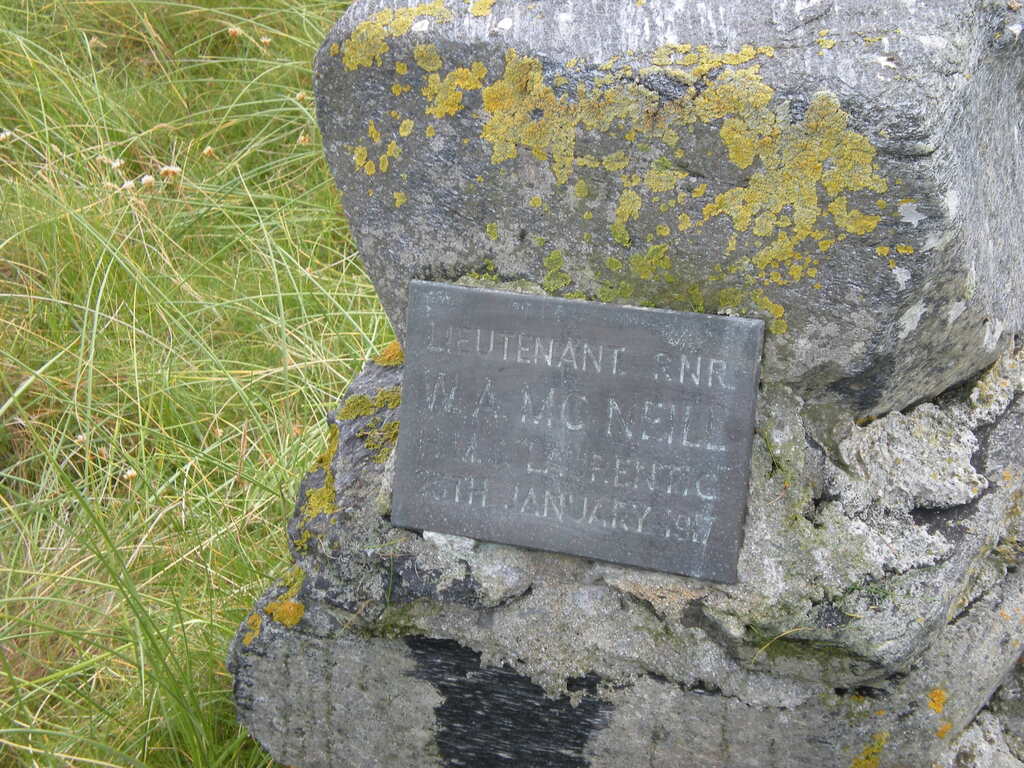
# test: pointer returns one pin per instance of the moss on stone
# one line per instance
(394, 621)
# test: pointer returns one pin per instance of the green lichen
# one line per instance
(555, 277)
(620, 234)
(379, 437)
(364, 405)
(645, 266)
(319, 501)
(489, 272)
(324, 460)
(395, 621)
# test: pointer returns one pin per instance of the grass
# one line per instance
(180, 303)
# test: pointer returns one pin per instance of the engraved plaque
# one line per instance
(616, 433)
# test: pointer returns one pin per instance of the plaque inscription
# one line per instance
(615, 433)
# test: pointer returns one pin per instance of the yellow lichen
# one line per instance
(852, 221)
(286, 612)
(628, 207)
(943, 729)
(426, 57)
(367, 44)
(616, 161)
(777, 325)
(513, 103)
(400, 199)
(373, 133)
(392, 354)
(937, 698)
(481, 7)
(253, 622)
(405, 128)
(808, 181)
(871, 755)
(662, 179)
(401, 68)
(796, 158)
(445, 96)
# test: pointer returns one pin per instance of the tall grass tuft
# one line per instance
(180, 302)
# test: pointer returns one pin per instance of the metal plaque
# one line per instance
(616, 433)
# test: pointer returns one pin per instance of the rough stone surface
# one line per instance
(875, 616)
(983, 745)
(851, 172)
(1008, 707)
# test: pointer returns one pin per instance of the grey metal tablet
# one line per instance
(616, 433)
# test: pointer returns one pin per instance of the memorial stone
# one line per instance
(849, 174)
